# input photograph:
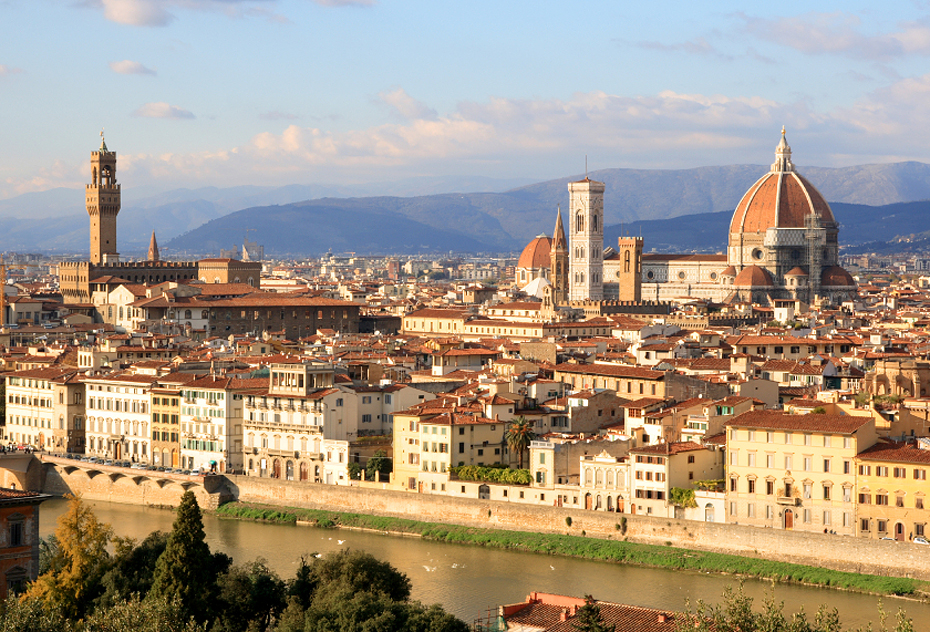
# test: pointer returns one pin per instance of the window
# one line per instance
(847, 494)
(881, 470)
(770, 461)
(808, 490)
(847, 467)
(899, 501)
(690, 458)
(366, 419)
(751, 460)
(770, 437)
(752, 485)
(826, 492)
(788, 462)
(865, 470)
(881, 499)
(865, 499)
(751, 510)
(827, 518)
(732, 508)
(770, 488)
(864, 525)
(882, 526)
(769, 513)
(732, 484)
(807, 516)
(807, 439)
(920, 475)
(919, 502)
(808, 466)
(899, 472)
(826, 465)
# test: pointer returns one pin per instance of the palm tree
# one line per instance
(519, 435)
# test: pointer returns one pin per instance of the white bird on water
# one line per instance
(340, 541)
(552, 567)
(429, 569)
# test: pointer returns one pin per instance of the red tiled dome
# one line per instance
(779, 199)
(753, 276)
(730, 271)
(796, 271)
(835, 276)
(536, 254)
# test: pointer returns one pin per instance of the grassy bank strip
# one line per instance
(587, 548)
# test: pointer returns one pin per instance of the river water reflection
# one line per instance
(468, 580)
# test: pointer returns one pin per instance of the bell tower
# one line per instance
(586, 245)
(102, 198)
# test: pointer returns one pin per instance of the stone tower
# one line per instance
(153, 248)
(630, 270)
(558, 260)
(586, 248)
(102, 197)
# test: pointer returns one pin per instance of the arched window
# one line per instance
(187, 313)
(626, 261)
(594, 223)
(579, 222)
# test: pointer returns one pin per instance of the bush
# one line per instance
(493, 474)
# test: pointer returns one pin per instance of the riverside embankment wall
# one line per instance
(860, 555)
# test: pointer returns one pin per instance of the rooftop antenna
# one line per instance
(585, 165)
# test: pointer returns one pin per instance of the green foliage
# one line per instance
(682, 497)
(492, 475)
(252, 597)
(355, 471)
(74, 568)
(149, 615)
(819, 410)
(735, 613)
(132, 569)
(185, 571)
(379, 462)
(710, 485)
(31, 614)
(588, 618)
(863, 398)
(519, 436)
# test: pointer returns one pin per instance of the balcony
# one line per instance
(791, 501)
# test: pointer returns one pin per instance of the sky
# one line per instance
(196, 93)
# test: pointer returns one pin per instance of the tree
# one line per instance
(588, 618)
(379, 462)
(30, 614)
(519, 435)
(251, 597)
(138, 615)
(133, 569)
(76, 565)
(185, 570)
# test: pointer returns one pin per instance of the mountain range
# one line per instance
(678, 210)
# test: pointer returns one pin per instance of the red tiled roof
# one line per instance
(777, 420)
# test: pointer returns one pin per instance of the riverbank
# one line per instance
(615, 550)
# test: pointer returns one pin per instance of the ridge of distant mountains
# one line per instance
(674, 210)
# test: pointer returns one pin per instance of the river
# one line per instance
(467, 580)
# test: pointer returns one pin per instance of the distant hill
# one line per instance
(203, 220)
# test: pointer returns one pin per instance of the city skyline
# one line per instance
(222, 92)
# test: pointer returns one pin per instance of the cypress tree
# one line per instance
(184, 572)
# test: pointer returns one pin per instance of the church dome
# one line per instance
(796, 271)
(536, 254)
(730, 271)
(835, 276)
(753, 276)
(782, 198)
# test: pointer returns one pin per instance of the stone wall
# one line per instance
(860, 555)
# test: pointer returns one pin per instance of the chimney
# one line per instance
(662, 617)
(563, 616)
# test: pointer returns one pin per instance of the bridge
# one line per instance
(60, 475)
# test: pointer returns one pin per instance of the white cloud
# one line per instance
(840, 33)
(548, 138)
(163, 110)
(405, 106)
(8, 70)
(127, 67)
(156, 12)
(137, 12)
